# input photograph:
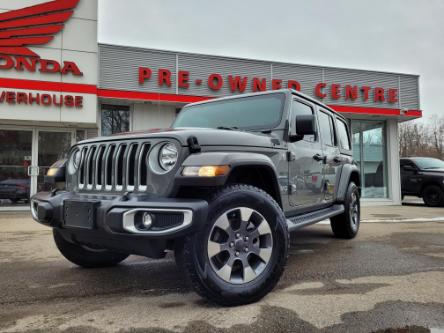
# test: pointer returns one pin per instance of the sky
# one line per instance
(405, 36)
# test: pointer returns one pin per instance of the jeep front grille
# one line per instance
(113, 166)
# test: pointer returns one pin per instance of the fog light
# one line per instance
(147, 220)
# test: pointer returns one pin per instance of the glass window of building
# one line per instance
(115, 119)
(369, 151)
(80, 135)
(15, 158)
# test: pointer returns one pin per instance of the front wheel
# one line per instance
(433, 196)
(240, 254)
(346, 225)
(86, 257)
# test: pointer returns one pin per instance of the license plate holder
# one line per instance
(80, 214)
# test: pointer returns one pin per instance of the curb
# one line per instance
(415, 220)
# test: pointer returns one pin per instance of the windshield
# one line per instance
(253, 112)
(429, 163)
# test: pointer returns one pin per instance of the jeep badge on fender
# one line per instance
(222, 188)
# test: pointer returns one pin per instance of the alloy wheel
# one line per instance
(240, 245)
(354, 210)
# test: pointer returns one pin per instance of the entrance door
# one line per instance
(52, 146)
(15, 158)
(369, 151)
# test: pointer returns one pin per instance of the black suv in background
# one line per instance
(423, 177)
(222, 189)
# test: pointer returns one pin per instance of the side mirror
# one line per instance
(305, 125)
(408, 167)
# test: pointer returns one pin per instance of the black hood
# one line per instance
(437, 172)
(205, 137)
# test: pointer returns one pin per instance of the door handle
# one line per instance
(318, 157)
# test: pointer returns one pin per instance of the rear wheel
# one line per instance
(346, 225)
(240, 254)
(433, 196)
(84, 256)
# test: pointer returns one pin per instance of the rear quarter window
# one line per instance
(327, 129)
(344, 138)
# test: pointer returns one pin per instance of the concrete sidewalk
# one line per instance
(404, 213)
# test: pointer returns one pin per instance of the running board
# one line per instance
(299, 221)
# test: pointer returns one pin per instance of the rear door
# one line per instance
(306, 163)
(332, 153)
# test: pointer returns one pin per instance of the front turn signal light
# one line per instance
(206, 171)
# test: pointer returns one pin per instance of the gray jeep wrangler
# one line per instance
(222, 188)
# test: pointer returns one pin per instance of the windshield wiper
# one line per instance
(232, 128)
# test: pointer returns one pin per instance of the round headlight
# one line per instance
(168, 155)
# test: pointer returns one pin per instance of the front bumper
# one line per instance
(112, 221)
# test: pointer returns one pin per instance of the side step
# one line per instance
(299, 221)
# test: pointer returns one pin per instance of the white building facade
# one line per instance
(58, 86)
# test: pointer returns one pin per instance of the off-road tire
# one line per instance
(344, 225)
(84, 257)
(192, 254)
(433, 196)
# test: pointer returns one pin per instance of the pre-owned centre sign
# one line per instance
(241, 84)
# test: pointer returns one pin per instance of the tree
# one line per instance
(422, 139)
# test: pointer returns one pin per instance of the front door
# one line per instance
(15, 160)
(306, 163)
(410, 180)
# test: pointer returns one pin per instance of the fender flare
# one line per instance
(233, 159)
(346, 174)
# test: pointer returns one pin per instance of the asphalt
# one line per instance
(389, 279)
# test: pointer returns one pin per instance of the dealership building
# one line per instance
(58, 85)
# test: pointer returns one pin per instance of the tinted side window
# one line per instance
(327, 129)
(301, 109)
(343, 134)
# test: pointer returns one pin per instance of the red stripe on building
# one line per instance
(172, 98)
(146, 96)
(48, 86)
(376, 111)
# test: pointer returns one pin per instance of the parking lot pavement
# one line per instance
(391, 276)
